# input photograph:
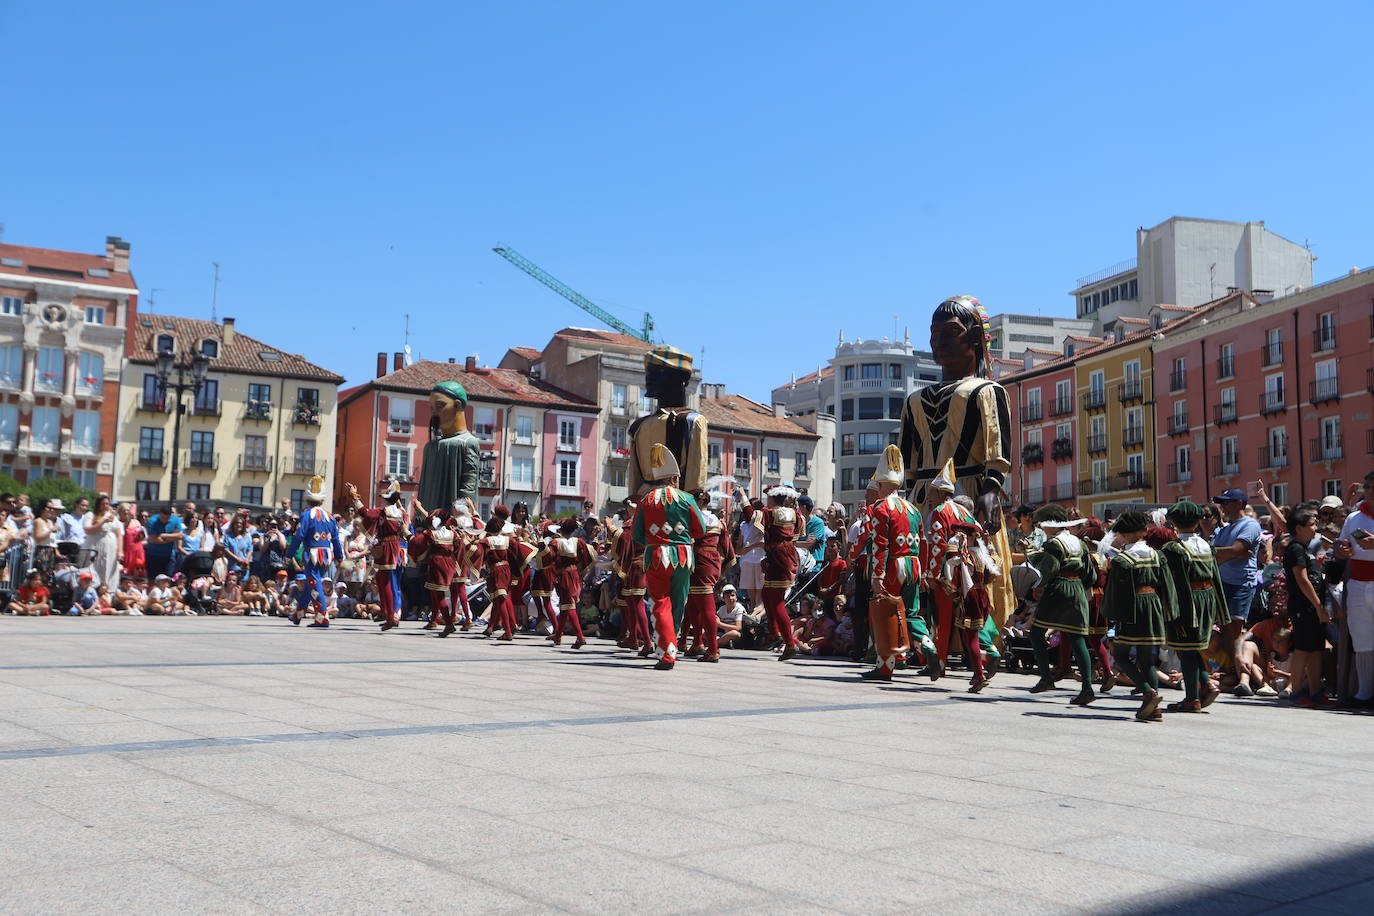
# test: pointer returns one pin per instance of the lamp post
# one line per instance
(166, 363)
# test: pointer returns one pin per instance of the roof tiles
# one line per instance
(506, 385)
(242, 354)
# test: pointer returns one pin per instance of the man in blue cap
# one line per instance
(1236, 545)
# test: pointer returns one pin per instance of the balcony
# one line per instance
(1061, 407)
(1178, 381)
(1226, 366)
(568, 445)
(145, 405)
(305, 414)
(1179, 475)
(1114, 483)
(90, 388)
(713, 466)
(1327, 448)
(621, 453)
(1061, 491)
(260, 411)
(1225, 413)
(1033, 453)
(400, 426)
(742, 469)
(1225, 466)
(1130, 390)
(1095, 399)
(1271, 354)
(1178, 424)
(1097, 443)
(1133, 435)
(619, 410)
(1033, 496)
(302, 468)
(1030, 413)
(1323, 339)
(1272, 402)
(151, 458)
(202, 461)
(1270, 460)
(256, 464)
(1060, 449)
(1324, 390)
(870, 384)
(206, 408)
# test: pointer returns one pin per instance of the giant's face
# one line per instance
(442, 405)
(950, 342)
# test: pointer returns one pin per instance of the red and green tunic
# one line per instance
(666, 523)
(894, 532)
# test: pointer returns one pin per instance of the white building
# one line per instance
(1187, 262)
(1012, 333)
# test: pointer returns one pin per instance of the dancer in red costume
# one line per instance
(571, 560)
(780, 564)
(387, 525)
(466, 525)
(944, 514)
(437, 545)
(666, 523)
(629, 566)
(503, 557)
(715, 552)
(542, 574)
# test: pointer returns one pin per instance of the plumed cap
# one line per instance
(946, 480)
(890, 469)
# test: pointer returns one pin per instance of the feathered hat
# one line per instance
(946, 480)
(389, 488)
(314, 490)
(782, 491)
(890, 469)
(662, 464)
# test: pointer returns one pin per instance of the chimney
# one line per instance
(117, 250)
(398, 362)
(381, 365)
(470, 364)
(780, 411)
(452, 360)
(228, 330)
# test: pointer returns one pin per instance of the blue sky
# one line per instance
(759, 176)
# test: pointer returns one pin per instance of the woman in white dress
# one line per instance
(105, 533)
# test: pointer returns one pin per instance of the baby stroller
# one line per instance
(199, 565)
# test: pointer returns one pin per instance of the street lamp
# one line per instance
(197, 367)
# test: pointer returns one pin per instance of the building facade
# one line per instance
(1044, 420)
(760, 447)
(1187, 262)
(538, 442)
(260, 427)
(1013, 333)
(1279, 391)
(64, 319)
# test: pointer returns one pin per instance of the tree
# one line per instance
(63, 488)
(9, 485)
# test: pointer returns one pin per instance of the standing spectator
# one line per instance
(749, 549)
(1236, 544)
(1356, 547)
(1306, 611)
(45, 522)
(238, 545)
(135, 561)
(815, 533)
(105, 532)
(193, 539)
(164, 533)
(69, 526)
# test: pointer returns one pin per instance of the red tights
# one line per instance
(774, 604)
(701, 611)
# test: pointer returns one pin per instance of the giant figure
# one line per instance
(667, 373)
(448, 468)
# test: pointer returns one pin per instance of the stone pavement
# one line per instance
(223, 765)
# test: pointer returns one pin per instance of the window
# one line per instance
(305, 456)
(870, 408)
(11, 305)
(1099, 472)
(1033, 405)
(1183, 463)
(894, 408)
(1135, 469)
(1273, 346)
(1230, 455)
(1332, 487)
(166, 342)
(209, 348)
(847, 444)
(871, 370)
(1326, 332)
(1329, 445)
(153, 393)
(255, 453)
(894, 371)
(742, 457)
(12, 366)
(251, 495)
(260, 392)
(567, 473)
(95, 314)
(297, 501)
(146, 490)
(846, 410)
(522, 472)
(567, 435)
(207, 398)
(1279, 494)
(48, 376)
(524, 430)
(308, 397)
(646, 403)
(620, 439)
(46, 427)
(197, 491)
(616, 477)
(848, 374)
(484, 423)
(802, 465)
(713, 457)
(90, 373)
(9, 426)
(1098, 426)
(202, 449)
(1226, 361)
(86, 432)
(1097, 383)
(398, 462)
(1135, 419)
(150, 445)
(1063, 394)
(846, 478)
(400, 416)
(773, 461)
(1278, 443)
(619, 399)
(871, 443)
(1063, 431)
(83, 477)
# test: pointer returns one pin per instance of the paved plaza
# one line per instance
(171, 765)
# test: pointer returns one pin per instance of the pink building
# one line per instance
(1044, 423)
(1277, 390)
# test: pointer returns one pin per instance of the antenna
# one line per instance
(214, 295)
(152, 297)
(407, 337)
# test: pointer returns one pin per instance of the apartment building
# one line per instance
(1012, 333)
(261, 425)
(1044, 420)
(64, 317)
(759, 447)
(538, 442)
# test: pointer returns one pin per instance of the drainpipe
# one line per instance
(1297, 409)
(1206, 412)
(281, 423)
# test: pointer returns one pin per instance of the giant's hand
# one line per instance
(988, 510)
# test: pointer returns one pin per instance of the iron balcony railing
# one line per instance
(306, 414)
(258, 410)
(1180, 475)
(1061, 449)
(1327, 448)
(1095, 399)
(1097, 443)
(200, 460)
(1271, 458)
(151, 458)
(256, 464)
(1033, 453)
(1062, 491)
(1323, 338)
(1033, 496)
(1226, 366)
(1030, 413)
(1224, 466)
(1225, 412)
(1271, 354)
(207, 408)
(1061, 407)
(1324, 389)
(1130, 390)
(1114, 483)
(1272, 402)
(1133, 435)
(1178, 424)
(1178, 381)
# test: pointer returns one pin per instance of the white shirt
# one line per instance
(732, 614)
(1359, 521)
(751, 535)
(69, 528)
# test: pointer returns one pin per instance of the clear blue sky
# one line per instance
(756, 175)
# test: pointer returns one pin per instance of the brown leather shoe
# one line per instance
(579, 644)
(788, 652)
(709, 657)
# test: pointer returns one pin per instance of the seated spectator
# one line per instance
(347, 604)
(842, 639)
(817, 635)
(729, 617)
(103, 604)
(230, 598)
(589, 613)
(162, 599)
(253, 597)
(83, 595)
(330, 607)
(33, 598)
(1278, 673)
(130, 597)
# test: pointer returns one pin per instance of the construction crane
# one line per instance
(567, 292)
